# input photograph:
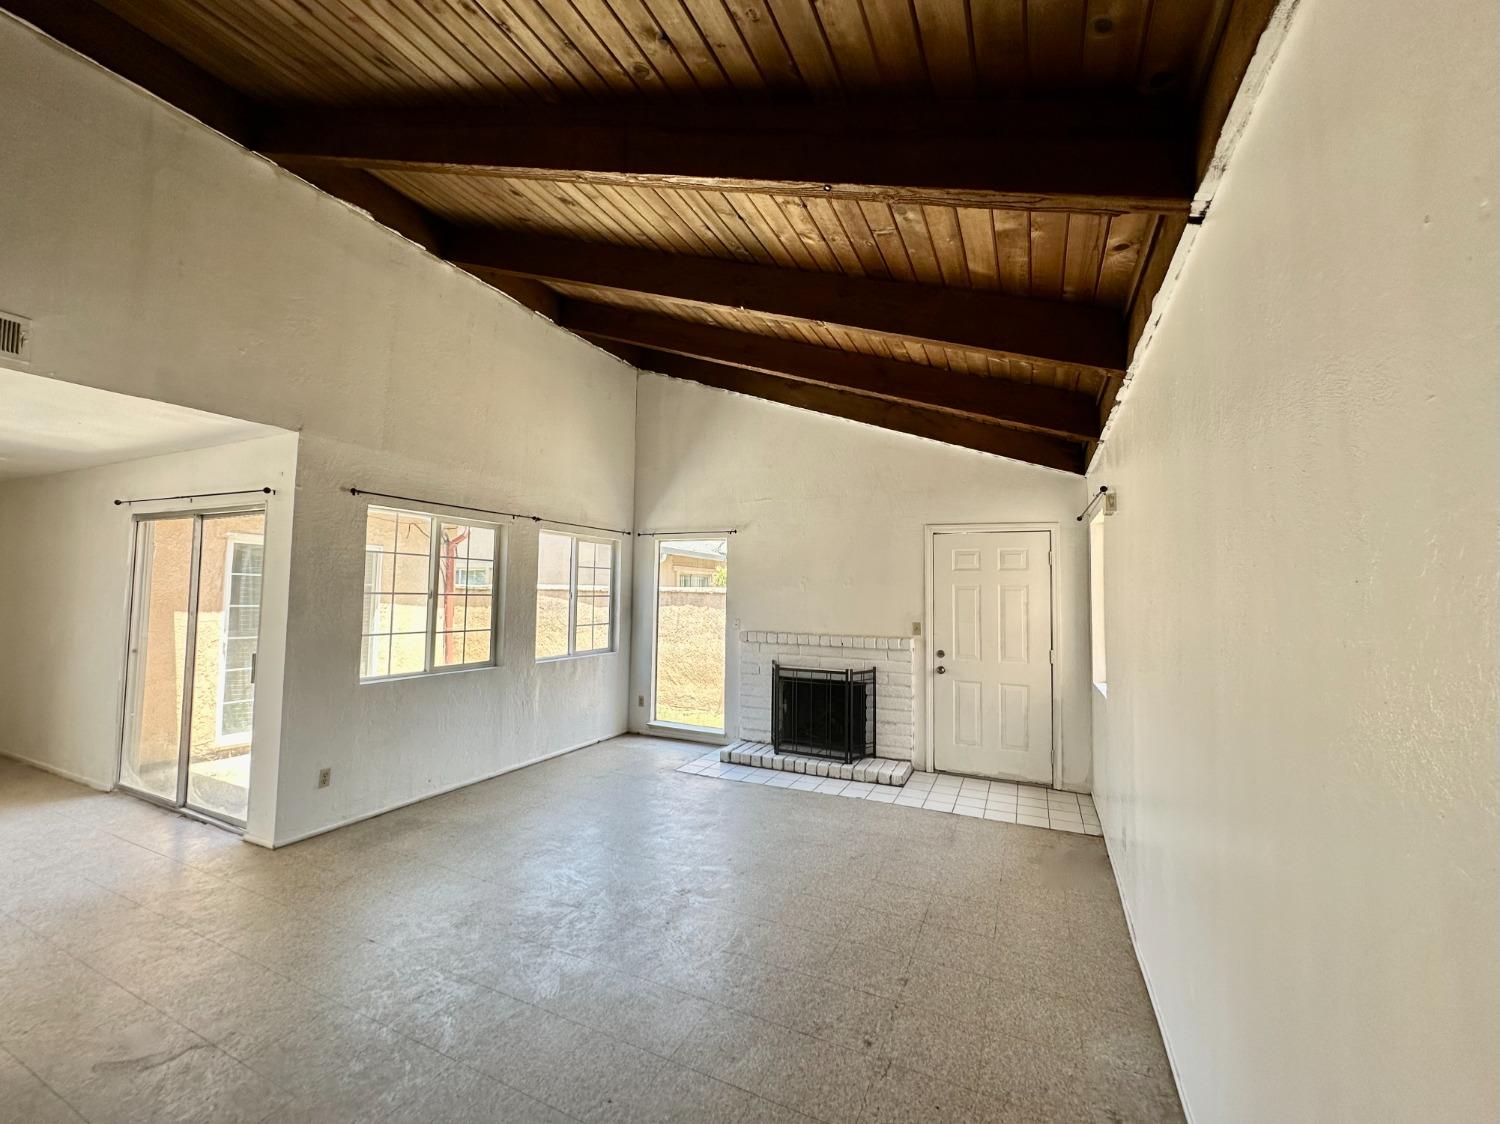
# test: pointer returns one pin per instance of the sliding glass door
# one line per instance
(692, 584)
(190, 679)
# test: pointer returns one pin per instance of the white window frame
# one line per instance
(1098, 662)
(731, 699)
(614, 595)
(233, 539)
(496, 589)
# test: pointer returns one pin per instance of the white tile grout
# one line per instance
(997, 801)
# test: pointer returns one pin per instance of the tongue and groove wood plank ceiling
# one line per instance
(947, 217)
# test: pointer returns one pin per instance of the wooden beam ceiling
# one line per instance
(983, 321)
(992, 400)
(1103, 154)
(937, 425)
(1023, 235)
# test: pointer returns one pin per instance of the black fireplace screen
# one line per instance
(823, 713)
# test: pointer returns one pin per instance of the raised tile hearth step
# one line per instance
(871, 770)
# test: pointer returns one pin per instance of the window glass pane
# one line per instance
(454, 541)
(380, 530)
(380, 572)
(413, 533)
(476, 647)
(409, 612)
(447, 649)
(478, 612)
(412, 573)
(481, 542)
(374, 656)
(408, 651)
(554, 564)
(377, 613)
(450, 616)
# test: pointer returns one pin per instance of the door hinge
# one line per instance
(1052, 656)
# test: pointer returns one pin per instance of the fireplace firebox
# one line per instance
(824, 713)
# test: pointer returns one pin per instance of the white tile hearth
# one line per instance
(870, 770)
(1002, 801)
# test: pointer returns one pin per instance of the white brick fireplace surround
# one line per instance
(891, 656)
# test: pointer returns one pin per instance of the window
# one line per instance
(1096, 601)
(242, 578)
(429, 594)
(575, 595)
(692, 587)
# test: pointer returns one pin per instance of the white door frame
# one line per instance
(929, 613)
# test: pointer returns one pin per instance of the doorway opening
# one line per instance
(190, 672)
(692, 589)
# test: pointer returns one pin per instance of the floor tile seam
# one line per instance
(214, 1046)
(885, 1064)
(44, 1083)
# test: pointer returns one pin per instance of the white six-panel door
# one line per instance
(991, 654)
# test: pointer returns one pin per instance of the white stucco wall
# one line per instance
(65, 553)
(1296, 762)
(829, 517)
(158, 259)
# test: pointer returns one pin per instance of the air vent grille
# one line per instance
(15, 332)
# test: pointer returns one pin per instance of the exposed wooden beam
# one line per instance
(1034, 448)
(991, 400)
(989, 322)
(1103, 154)
(1246, 22)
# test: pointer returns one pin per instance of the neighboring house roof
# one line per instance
(715, 551)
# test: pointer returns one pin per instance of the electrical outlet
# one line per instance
(640, 700)
(325, 778)
(916, 628)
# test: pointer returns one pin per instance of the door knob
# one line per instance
(941, 670)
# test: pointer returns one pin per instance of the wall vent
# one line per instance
(15, 337)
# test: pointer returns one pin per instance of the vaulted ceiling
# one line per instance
(947, 217)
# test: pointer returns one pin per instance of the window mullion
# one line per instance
(430, 657)
(572, 595)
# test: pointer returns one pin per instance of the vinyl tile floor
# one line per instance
(1002, 801)
(595, 938)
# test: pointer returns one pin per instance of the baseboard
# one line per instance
(1166, 1041)
(67, 775)
(438, 792)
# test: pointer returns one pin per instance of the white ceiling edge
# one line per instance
(49, 426)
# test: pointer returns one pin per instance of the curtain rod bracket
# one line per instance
(1109, 502)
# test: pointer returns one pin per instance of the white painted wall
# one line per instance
(1296, 763)
(158, 259)
(830, 516)
(64, 590)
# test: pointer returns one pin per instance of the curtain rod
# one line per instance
(199, 496)
(659, 534)
(487, 511)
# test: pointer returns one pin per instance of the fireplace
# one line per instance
(825, 713)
